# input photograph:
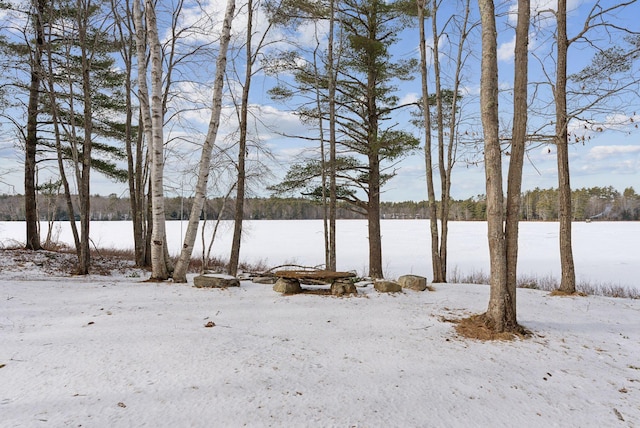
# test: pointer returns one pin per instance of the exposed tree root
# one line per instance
(481, 328)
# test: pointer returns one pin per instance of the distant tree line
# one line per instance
(602, 203)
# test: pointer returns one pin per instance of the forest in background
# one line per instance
(604, 203)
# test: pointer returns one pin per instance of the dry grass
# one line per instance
(480, 328)
(195, 266)
(550, 283)
(561, 293)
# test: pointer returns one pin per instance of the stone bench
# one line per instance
(289, 281)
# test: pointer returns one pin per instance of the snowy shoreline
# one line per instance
(604, 252)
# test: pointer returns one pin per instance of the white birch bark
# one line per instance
(180, 272)
(152, 120)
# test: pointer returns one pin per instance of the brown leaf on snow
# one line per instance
(210, 324)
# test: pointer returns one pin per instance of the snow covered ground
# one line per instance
(115, 351)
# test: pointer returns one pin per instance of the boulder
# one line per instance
(287, 286)
(387, 286)
(340, 288)
(414, 282)
(215, 281)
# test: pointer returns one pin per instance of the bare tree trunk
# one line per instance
(441, 275)
(84, 184)
(373, 218)
(323, 159)
(51, 93)
(331, 68)
(206, 256)
(499, 299)
(568, 277)
(234, 258)
(426, 109)
(152, 114)
(516, 162)
(503, 244)
(31, 140)
(180, 273)
(447, 166)
(148, 222)
(133, 143)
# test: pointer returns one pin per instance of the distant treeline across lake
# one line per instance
(603, 203)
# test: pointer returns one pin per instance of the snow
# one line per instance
(115, 351)
(604, 252)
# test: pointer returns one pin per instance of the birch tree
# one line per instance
(152, 115)
(180, 273)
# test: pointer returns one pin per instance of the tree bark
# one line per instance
(133, 141)
(180, 272)
(373, 218)
(236, 240)
(441, 275)
(499, 299)
(85, 172)
(332, 261)
(31, 140)
(426, 109)
(568, 276)
(152, 114)
(518, 140)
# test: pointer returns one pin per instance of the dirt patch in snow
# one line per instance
(19, 262)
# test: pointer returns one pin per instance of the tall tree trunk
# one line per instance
(426, 110)
(152, 114)
(373, 218)
(516, 162)
(503, 244)
(57, 132)
(331, 68)
(133, 141)
(180, 273)
(499, 299)
(31, 141)
(448, 164)
(568, 277)
(84, 185)
(441, 275)
(236, 240)
(324, 163)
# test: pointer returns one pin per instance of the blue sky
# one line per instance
(610, 154)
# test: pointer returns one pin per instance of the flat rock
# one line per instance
(287, 286)
(340, 288)
(215, 281)
(413, 282)
(387, 286)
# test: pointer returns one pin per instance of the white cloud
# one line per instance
(506, 50)
(605, 152)
(409, 98)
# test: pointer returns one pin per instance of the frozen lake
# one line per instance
(604, 252)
